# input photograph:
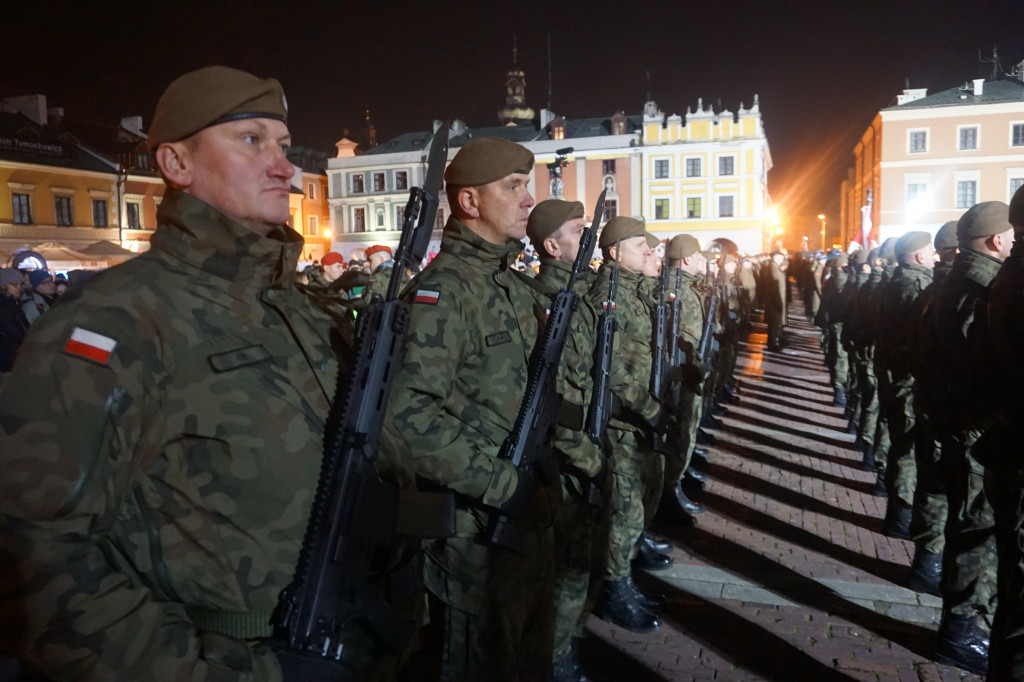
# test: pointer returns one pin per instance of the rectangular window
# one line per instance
(134, 213)
(311, 225)
(608, 167)
(611, 209)
(401, 181)
(917, 141)
(693, 168)
(399, 217)
(966, 190)
(661, 168)
(22, 209)
(726, 165)
(693, 207)
(969, 138)
(62, 210)
(916, 190)
(378, 182)
(661, 208)
(311, 191)
(99, 212)
(725, 206)
(359, 220)
(1018, 135)
(1015, 184)
(357, 183)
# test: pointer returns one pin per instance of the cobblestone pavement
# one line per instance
(787, 575)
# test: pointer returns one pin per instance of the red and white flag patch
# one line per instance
(90, 345)
(426, 296)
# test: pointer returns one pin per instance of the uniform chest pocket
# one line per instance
(238, 357)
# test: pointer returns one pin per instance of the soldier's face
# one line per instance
(333, 271)
(503, 207)
(240, 168)
(567, 238)
(634, 254)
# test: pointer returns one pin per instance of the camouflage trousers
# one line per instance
(634, 491)
(835, 356)
(853, 386)
(882, 442)
(577, 540)
(773, 317)
(969, 563)
(931, 507)
(901, 467)
(495, 607)
(1005, 489)
(868, 400)
(682, 437)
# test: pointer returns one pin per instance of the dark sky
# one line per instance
(822, 69)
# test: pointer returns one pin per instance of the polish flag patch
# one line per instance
(425, 296)
(90, 345)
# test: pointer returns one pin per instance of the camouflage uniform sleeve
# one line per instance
(575, 384)
(430, 413)
(631, 389)
(74, 435)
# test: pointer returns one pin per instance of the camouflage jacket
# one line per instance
(691, 313)
(455, 398)
(379, 282)
(176, 405)
(575, 379)
(895, 304)
(831, 299)
(859, 327)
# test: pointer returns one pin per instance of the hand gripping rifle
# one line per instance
(707, 336)
(599, 411)
(527, 443)
(356, 517)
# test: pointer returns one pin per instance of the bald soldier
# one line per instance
(472, 327)
(177, 405)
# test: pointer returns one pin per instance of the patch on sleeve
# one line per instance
(90, 345)
(497, 339)
(426, 296)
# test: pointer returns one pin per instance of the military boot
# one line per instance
(650, 559)
(867, 462)
(655, 544)
(897, 520)
(711, 421)
(648, 601)
(619, 605)
(962, 643)
(567, 669)
(925, 572)
(704, 438)
(880, 490)
(700, 453)
(693, 480)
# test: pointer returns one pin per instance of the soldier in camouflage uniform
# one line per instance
(177, 405)
(915, 254)
(623, 242)
(832, 330)
(969, 561)
(555, 228)
(455, 397)
(775, 304)
(860, 346)
(812, 300)
(881, 443)
(859, 271)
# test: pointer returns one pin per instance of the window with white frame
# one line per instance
(311, 224)
(693, 168)
(378, 218)
(726, 165)
(966, 193)
(378, 182)
(401, 180)
(661, 209)
(967, 137)
(726, 206)
(359, 220)
(916, 191)
(22, 205)
(611, 209)
(311, 191)
(133, 213)
(917, 141)
(1017, 134)
(693, 207)
(1015, 184)
(357, 183)
(399, 217)
(661, 168)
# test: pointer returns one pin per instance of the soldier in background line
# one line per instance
(775, 302)
(832, 329)
(858, 273)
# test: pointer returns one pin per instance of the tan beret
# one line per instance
(1017, 207)
(683, 246)
(911, 242)
(652, 241)
(946, 237)
(549, 215)
(983, 220)
(859, 257)
(620, 228)
(487, 159)
(840, 260)
(213, 95)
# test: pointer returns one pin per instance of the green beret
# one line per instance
(887, 251)
(620, 228)
(911, 242)
(873, 255)
(858, 257)
(213, 95)
(683, 246)
(652, 241)
(946, 238)
(487, 159)
(840, 260)
(549, 215)
(1017, 207)
(983, 220)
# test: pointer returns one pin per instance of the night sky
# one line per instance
(822, 69)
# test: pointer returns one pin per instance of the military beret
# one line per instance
(549, 215)
(652, 241)
(888, 249)
(332, 257)
(210, 96)
(946, 237)
(619, 228)
(840, 260)
(487, 159)
(983, 220)
(858, 257)
(683, 246)
(1017, 207)
(911, 242)
(377, 248)
(873, 255)
(10, 276)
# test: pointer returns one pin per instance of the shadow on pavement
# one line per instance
(783, 446)
(739, 414)
(783, 399)
(603, 662)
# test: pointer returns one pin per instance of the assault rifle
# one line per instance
(659, 331)
(527, 443)
(676, 356)
(599, 411)
(356, 517)
(707, 336)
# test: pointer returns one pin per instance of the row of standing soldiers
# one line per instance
(923, 346)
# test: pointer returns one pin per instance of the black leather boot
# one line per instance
(962, 643)
(926, 572)
(650, 559)
(704, 438)
(692, 480)
(897, 520)
(619, 605)
(567, 669)
(649, 601)
(699, 452)
(656, 545)
(685, 503)
(867, 462)
(711, 421)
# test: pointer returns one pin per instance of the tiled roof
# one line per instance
(1004, 90)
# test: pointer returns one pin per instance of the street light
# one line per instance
(821, 217)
